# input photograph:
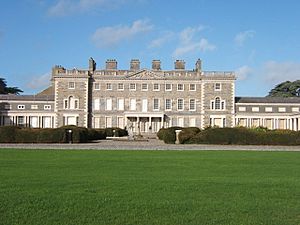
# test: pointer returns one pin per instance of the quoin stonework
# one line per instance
(145, 100)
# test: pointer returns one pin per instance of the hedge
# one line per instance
(115, 132)
(12, 134)
(168, 135)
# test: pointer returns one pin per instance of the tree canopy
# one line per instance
(286, 89)
(8, 90)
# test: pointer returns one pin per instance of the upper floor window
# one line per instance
(71, 103)
(156, 87)
(108, 86)
(192, 104)
(168, 105)
(108, 105)
(281, 109)
(132, 86)
(218, 104)
(71, 85)
(192, 87)
(132, 104)
(144, 87)
(7, 106)
(268, 109)
(155, 104)
(217, 86)
(34, 107)
(47, 107)
(120, 86)
(180, 87)
(180, 104)
(21, 106)
(97, 86)
(168, 87)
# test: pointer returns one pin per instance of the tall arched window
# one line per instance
(217, 103)
(71, 103)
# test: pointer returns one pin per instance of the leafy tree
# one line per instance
(8, 90)
(286, 89)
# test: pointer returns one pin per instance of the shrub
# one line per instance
(115, 132)
(187, 133)
(26, 135)
(96, 134)
(168, 135)
(7, 134)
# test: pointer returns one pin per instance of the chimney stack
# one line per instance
(156, 64)
(135, 64)
(179, 65)
(111, 64)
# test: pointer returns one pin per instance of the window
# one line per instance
(108, 86)
(120, 86)
(76, 104)
(21, 106)
(255, 109)
(168, 105)
(65, 104)
(295, 109)
(108, 104)
(156, 104)
(70, 103)
(180, 87)
(180, 104)
(132, 105)
(192, 122)
(156, 87)
(218, 104)
(242, 109)
(144, 87)
(21, 120)
(71, 85)
(192, 104)
(281, 109)
(97, 86)
(192, 87)
(97, 104)
(121, 104)
(47, 107)
(168, 87)
(268, 109)
(217, 87)
(132, 87)
(7, 106)
(34, 107)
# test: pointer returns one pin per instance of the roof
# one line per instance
(47, 91)
(267, 100)
(27, 97)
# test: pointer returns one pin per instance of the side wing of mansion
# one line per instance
(145, 100)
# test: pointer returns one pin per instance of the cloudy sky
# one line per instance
(259, 40)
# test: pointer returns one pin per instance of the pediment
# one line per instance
(145, 75)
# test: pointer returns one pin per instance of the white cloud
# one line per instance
(190, 42)
(40, 82)
(243, 72)
(241, 37)
(111, 36)
(68, 7)
(276, 72)
(158, 42)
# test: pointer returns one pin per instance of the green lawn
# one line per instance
(40, 187)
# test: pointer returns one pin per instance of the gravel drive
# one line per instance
(151, 144)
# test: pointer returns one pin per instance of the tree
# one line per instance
(8, 90)
(286, 89)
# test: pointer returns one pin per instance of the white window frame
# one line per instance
(132, 86)
(34, 107)
(108, 104)
(242, 109)
(218, 87)
(96, 104)
(132, 104)
(142, 87)
(195, 87)
(194, 105)
(154, 87)
(281, 109)
(71, 85)
(156, 104)
(21, 106)
(97, 86)
(108, 86)
(47, 107)
(121, 104)
(180, 85)
(120, 87)
(255, 109)
(179, 108)
(168, 109)
(170, 89)
(295, 109)
(268, 109)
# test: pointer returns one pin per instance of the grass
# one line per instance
(149, 187)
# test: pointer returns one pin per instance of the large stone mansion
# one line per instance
(146, 100)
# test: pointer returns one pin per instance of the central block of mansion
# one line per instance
(145, 100)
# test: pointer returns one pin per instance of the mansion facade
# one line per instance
(146, 100)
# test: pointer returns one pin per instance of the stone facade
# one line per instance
(145, 100)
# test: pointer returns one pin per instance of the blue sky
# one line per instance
(259, 40)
